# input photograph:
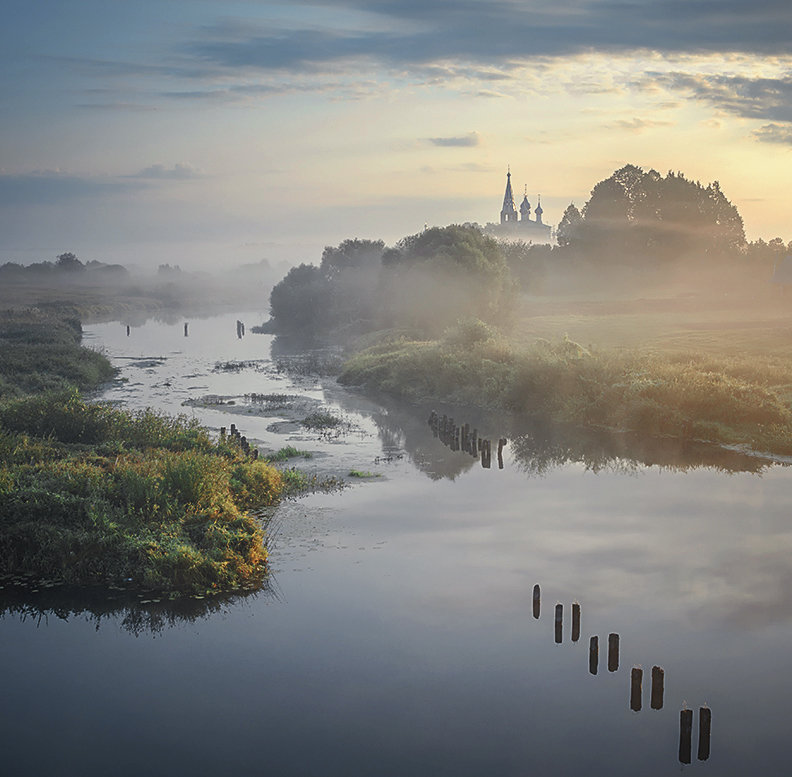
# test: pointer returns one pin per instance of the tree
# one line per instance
(69, 262)
(568, 230)
(637, 215)
(299, 301)
(352, 254)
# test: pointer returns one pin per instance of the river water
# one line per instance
(397, 635)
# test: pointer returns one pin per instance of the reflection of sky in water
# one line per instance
(402, 642)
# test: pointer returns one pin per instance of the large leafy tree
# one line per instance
(637, 214)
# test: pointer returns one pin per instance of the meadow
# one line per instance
(713, 367)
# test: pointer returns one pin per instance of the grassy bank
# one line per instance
(40, 350)
(94, 495)
(90, 494)
(725, 399)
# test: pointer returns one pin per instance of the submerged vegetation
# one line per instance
(94, 495)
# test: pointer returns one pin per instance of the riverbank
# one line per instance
(94, 495)
(737, 399)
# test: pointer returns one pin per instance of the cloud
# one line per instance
(774, 133)
(53, 187)
(179, 172)
(408, 33)
(637, 125)
(463, 141)
(744, 96)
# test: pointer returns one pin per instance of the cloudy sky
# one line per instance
(226, 132)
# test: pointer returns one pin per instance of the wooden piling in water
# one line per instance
(593, 655)
(685, 735)
(636, 680)
(613, 652)
(537, 601)
(705, 730)
(559, 623)
(575, 621)
(658, 687)
(129, 329)
(186, 327)
(501, 443)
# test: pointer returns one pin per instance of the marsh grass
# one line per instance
(94, 495)
(151, 499)
(40, 351)
(725, 399)
(286, 453)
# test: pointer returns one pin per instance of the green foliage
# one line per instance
(152, 500)
(423, 282)
(288, 452)
(91, 494)
(721, 400)
(637, 216)
(40, 351)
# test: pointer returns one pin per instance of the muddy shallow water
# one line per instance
(397, 635)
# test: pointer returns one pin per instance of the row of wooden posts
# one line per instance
(636, 681)
(240, 329)
(463, 438)
(235, 436)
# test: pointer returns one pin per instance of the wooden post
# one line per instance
(186, 326)
(575, 622)
(129, 329)
(685, 735)
(222, 432)
(636, 679)
(593, 655)
(501, 443)
(559, 623)
(658, 686)
(536, 601)
(705, 728)
(613, 652)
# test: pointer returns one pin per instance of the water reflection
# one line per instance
(134, 613)
(636, 682)
(536, 446)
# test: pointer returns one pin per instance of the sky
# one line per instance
(207, 133)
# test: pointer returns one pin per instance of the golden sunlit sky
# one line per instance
(209, 133)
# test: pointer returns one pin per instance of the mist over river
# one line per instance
(397, 635)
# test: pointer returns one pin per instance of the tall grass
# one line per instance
(725, 400)
(90, 494)
(164, 509)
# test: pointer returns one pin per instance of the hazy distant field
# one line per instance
(717, 325)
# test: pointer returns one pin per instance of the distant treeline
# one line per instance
(637, 227)
(67, 267)
(423, 283)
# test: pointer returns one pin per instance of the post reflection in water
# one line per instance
(594, 655)
(613, 652)
(559, 622)
(636, 680)
(658, 683)
(685, 735)
(705, 725)
(575, 621)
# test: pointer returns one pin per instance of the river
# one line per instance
(397, 635)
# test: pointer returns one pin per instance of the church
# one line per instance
(520, 224)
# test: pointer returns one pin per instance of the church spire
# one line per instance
(508, 212)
